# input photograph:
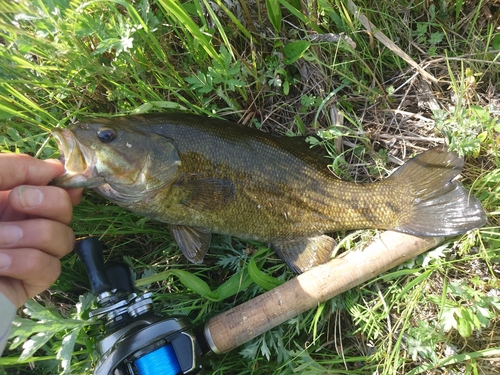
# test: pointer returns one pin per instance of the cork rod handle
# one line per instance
(252, 318)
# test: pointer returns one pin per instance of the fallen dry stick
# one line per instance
(252, 318)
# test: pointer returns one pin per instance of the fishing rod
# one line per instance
(140, 342)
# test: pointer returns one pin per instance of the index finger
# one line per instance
(18, 169)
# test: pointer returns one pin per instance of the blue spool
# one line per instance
(160, 361)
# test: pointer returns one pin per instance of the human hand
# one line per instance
(34, 230)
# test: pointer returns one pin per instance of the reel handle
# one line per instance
(90, 251)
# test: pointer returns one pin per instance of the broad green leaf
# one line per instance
(495, 43)
(436, 38)
(448, 319)
(232, 286)
(484, 315)
(37, 311)
(464, 323)
(84, 301)
(260, 278)
(194, 283)
(295, 50)
(29, 327)
(168, 104)
(236, 283)
(143, 108)
(35, 343)
(274, 14)
(66, 351)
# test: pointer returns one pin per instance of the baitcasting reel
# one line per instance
(137, 341)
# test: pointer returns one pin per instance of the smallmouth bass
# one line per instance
(202, 175)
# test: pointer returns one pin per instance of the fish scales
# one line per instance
(272, 207)
(203, 176)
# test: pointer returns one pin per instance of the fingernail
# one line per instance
(10, 234)
(5, 261)
(30, 197)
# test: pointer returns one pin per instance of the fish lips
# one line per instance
(79, 162)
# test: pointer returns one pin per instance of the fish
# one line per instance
(202, 175)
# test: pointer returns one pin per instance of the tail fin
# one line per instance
(440, 205)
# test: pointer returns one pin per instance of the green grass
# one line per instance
(65, 60)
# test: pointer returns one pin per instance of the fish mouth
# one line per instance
(79, 162)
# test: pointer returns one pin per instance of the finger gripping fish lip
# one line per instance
(79, 161)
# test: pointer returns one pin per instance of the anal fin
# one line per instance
(303, 254)
(194, 242)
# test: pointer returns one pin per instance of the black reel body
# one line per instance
(137, 341)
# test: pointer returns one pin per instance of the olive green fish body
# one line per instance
(271, 192)
(205, 175)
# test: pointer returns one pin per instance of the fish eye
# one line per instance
(106, 135)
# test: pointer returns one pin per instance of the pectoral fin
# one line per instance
(304, 253)
(194, 242)
(207, 194)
